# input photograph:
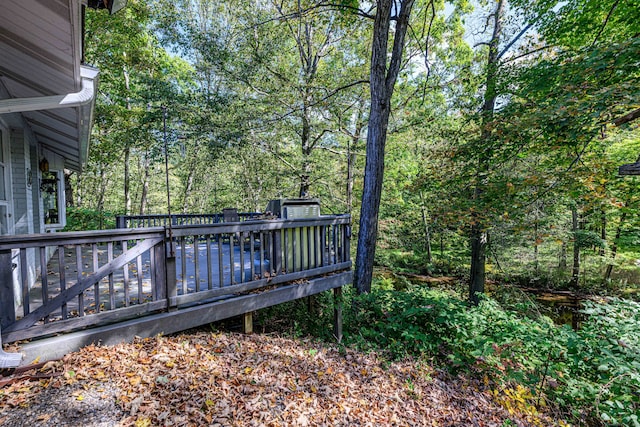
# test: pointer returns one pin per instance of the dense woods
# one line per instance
(474, 141)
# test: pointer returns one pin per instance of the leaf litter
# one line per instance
(230, 379)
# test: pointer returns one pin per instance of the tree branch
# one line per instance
(604, 24)
(629, 117)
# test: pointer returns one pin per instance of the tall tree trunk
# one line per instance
(478, 238)
(127, 153)
(427, 230)
(614, 246)
(101, 196)
(381, 85)
(562, 260)
(536, 264)
(575, 272)
(127, 180)
(305, 137)
(145, 184)
(603, 230)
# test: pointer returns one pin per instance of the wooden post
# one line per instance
(7, 309)
(337, 313)
(247, 323)
(171, 275)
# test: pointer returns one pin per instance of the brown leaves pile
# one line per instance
(258, 380)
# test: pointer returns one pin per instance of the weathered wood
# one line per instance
(167, 323)
(7, 308)
(209, 264)
(247, 323)
(629, 169)
(196, 261)
(77, 238)
(75, 323)
(79, 278)
(44, 278)
(112, 293)
(159, 266)
(82, 285)
(24, 281)
(96, 286)
(256, 284)
(62, 278)
(125, 274)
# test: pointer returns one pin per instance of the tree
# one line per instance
(384, 72)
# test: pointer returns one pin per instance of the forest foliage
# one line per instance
(506, 128)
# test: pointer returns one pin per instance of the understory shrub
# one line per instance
(591, 374)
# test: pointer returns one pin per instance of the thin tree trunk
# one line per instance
(101, 196)
(382, 82)
(145, 184)
(562, 262)
(575, 272)
(427, 230)
(127, 154)
(603, 230)
(614, 246)
(127, 181)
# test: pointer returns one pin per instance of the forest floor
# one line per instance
(229, 379)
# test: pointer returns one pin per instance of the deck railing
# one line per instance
(162, 220)
(52, 283)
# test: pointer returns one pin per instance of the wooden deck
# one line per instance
(109, 286)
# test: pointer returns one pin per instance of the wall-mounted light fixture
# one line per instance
(111, 5)
(44, 165)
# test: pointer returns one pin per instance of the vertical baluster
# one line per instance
(196, 260)
(323, 241)
(309, 248)
(261, 237)
(252, 255)
(125, 276)
(286, 250)
(334, 235)
(79, 270)
(44, 278)
(319, 247)
(26, 303)
(183, 266)
(112, 294)
(209, 265)
(153, 273)
(220, 260)
(96, 287)
(242, 260)
(232, 267)
(63, 278)
(140, 277)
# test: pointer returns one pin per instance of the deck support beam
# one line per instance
(247, 323)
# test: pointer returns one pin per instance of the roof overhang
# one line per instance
(42, 78)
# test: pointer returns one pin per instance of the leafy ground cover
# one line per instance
(210, 378)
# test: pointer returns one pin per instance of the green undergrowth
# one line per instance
(591, 375)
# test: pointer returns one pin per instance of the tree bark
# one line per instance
(614, 246)
(575, 272)
(478, 238)
(145, 184)
(381, 85)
